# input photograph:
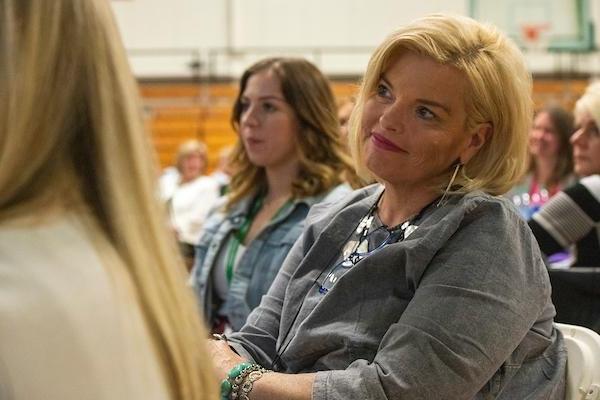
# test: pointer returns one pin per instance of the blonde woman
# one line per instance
(192, 198)
(427, 285)
(93, 302)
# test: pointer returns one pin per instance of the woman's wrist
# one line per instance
(240, 380)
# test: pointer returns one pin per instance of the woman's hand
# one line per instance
(223, 357)
(272, 385)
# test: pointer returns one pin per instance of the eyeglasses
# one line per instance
(356, 255)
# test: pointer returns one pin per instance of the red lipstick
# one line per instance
(383, 143)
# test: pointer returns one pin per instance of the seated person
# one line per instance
(289, 156)
(550, 161)
(572, 217)
(427, 285)
(344, 112)
(93, 301)
(192, 197)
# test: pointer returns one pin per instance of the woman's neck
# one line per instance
(544, 170)
(400, 204)
(188, 178)
(279, 183)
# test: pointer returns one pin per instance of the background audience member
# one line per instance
(573, 216)
(550, 160)
(428, 286)
(93, 301)
(222, 173)
(344, 112)
(288, 157)
(192, 198)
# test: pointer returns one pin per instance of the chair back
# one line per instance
(583, 362)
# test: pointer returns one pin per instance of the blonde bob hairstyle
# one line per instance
(324, 162)
(72, 141)
(498, 93)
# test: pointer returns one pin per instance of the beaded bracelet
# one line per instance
(241, 377)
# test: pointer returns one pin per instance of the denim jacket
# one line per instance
(259, 264)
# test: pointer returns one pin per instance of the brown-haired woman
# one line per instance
(289, 156)
(550, 160)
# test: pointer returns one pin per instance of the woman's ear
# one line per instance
(477, 139)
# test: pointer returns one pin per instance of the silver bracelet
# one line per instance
(243, 383)
(252, 377)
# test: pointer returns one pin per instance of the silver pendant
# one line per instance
(363, 247)
(364, 224)
(349, 248)
(409, 229)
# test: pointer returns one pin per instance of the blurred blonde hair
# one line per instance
(190, 147)
(589, 102)
(499, 93)
(72, 137)
(324, 162)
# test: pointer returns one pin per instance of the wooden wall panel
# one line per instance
(181, 111)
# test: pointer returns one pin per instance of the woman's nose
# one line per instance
(577, 137)
(390, 119)
(537, 133)
(249, 116)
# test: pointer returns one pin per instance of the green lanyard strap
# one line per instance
(240, 235)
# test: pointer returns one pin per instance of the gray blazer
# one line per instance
(461, 309)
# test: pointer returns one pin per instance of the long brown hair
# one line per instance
(323, 161)
(562, 122)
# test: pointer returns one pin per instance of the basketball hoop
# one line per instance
(533, 35)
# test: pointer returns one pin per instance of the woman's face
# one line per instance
(413, 126)
(268, 124)
(192, 165)
(586, 145)
(543, 137)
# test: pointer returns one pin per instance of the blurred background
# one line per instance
(188, 54)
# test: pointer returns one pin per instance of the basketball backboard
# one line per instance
(553, 25)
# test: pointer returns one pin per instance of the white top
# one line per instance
(66, 331)
(190, 204)
(167, 183)
(220, 271)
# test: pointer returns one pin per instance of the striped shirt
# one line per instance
(572, 217)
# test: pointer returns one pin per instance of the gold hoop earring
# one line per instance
(456, 169)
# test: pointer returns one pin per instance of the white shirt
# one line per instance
(190, 204)
(66, 331)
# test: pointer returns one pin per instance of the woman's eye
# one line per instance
(383, 91)
(244, 105)
(594, 130)
(425, 113)
(268, 107)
